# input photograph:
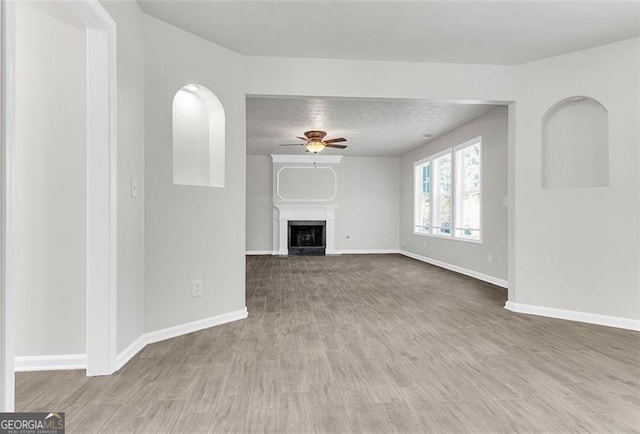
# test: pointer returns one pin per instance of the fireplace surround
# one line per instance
(283, 214)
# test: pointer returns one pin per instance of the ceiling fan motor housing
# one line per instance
(315, 135)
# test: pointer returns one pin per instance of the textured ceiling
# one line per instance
(482, 32)
(373, 127)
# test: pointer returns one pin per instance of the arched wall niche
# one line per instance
(575, 144)
(198, 137)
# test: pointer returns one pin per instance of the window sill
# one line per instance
(468, 240)
(425, 234)
(448, 237)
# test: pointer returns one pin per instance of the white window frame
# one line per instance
(457, 200)
(417, 194)
(454, 194)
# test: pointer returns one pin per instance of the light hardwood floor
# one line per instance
(376, 343)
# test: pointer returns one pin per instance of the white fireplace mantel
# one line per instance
(283, 213)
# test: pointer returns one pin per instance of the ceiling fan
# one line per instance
(314, 141)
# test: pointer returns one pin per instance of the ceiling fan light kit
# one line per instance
(314, 146)
(314, 142)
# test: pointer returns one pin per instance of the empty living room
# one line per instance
(319, 217)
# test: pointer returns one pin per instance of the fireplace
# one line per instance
(307, 237)
(306, 214)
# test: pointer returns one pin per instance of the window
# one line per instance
(448, 193)
(423, 200)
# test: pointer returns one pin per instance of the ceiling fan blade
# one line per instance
(329, 145)
(339, 139)
(302, 138)
(293, 144)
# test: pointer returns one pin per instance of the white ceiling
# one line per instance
(436, 31)
(372, 126)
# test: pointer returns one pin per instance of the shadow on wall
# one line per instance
(575, 144)
(198, 137)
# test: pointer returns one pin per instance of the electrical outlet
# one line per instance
(196, 287)
(490, 257)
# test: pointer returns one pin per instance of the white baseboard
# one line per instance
(335, 252)
(172, 332)
(369, 252)
(194, 326)
(572, 315)
(127, 354)
(475, 274)
(79, 361)
(58, 362)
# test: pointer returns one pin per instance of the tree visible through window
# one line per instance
(468, 192)
(448, 193)
(423, 200)
(442, 195)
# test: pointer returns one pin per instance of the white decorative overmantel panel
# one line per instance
(283, 213)
(306, 184)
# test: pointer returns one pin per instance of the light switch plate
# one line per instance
(196, 287)
(134, 188)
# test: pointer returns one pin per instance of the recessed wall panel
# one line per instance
(575, 144)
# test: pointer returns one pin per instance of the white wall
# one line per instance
(7, 377)
(490, 257)
(358, 78)
(577, 249)
(259, 204)
(368, 196)
(131, 226)
(50, 181)
(191, 232)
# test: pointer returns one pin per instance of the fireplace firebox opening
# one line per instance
(307, 237)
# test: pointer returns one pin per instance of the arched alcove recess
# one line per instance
(575, 144)
(198, 137)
